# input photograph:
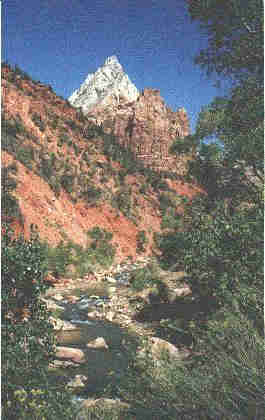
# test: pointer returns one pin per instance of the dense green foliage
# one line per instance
(235, 33)
(141, 241)
(27, 336)
(227, 385)
(144, 277)
(10, 205)
(70, 259)
(101, 251)
(220, 244)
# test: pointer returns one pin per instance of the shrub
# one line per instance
(99, 234)
(72, 124)
(170, 219)
(226, 382)
(55, 184)
(11, 130)
(26, 156)
(123, 201)
(47, 166)
(53, 120)
(165, 202)
(67, 181)
(141, 241)
(10, 206)
(27, 334)
(36, 118)
(222, 254)
(63, 138)
(58, 258)
(144, 277)
(101, 251)
(91, 131)
(76, 149)
(91, 194)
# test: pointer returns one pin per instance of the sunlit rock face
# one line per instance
(141, 121)
(106, 86)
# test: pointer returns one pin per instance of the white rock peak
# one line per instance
(108, 81)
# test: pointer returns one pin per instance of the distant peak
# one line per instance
(108, 81)
(113, 59)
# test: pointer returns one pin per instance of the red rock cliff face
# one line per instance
(42, 128)
(148, 127)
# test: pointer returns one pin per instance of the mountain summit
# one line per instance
(141, 121)
(109, 83)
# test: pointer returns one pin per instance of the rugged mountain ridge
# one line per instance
(65, 175)
(107, 85)
(141, 121)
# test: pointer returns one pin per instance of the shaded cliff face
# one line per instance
(142, 122)
(65, 175)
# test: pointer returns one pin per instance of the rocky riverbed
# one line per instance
(97, 328)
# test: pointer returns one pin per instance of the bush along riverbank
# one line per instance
(118, 345)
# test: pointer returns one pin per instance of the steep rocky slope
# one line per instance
(141, 121)
(65, 175)
(105, 87)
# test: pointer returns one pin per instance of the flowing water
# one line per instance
(103, 366)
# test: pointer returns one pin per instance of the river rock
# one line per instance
(110, 316)
(94, 314)
(147, 295)
(59, 324)
(62, 364)
(51, 305)
(112, 289)
(98, 343)
(157, 347)
(58, 297)
(110, 279)
(168, 290)
(79, 381)
(72, 299)
(69, 353)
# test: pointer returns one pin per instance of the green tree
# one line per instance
(235, 37)
(235, 50)
(27, 335)
(220, 244)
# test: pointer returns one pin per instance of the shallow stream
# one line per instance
(103, 366)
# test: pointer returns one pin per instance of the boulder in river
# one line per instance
(98, 343)
(157, 347)
(69, 353)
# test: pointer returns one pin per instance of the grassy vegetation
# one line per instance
(98, 253)
(144, 277)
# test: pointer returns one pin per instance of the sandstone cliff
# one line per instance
(65, 175)
(148, 127)
(141, 122)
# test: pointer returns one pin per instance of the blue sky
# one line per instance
(60, 41)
